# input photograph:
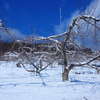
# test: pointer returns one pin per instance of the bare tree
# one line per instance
(75, 32)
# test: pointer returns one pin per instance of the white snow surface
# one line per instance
(18, 84)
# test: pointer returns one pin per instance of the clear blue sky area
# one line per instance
(39, 15)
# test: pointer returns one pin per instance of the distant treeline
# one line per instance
(14, 46)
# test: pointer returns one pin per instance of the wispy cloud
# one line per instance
(11, 34)
(62, 27)
(15, 33)
(6, 4)
(93, 9)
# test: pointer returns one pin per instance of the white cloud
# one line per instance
(65, 23)
(89, 41)
(11, 34)
(93, 9)
(62, 27)
(16, 33)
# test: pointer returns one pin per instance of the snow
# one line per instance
(17, 84)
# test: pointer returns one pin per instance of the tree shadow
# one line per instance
(84, 82)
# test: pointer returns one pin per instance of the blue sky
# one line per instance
(39, 15)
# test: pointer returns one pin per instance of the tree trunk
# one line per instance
(65, 74)
(97, 71)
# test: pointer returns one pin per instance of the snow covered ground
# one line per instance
(17, 84)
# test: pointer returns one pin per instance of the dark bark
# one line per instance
(65, 74)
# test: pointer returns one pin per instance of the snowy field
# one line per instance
(17, 84)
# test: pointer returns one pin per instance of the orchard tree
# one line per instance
(67, 46)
